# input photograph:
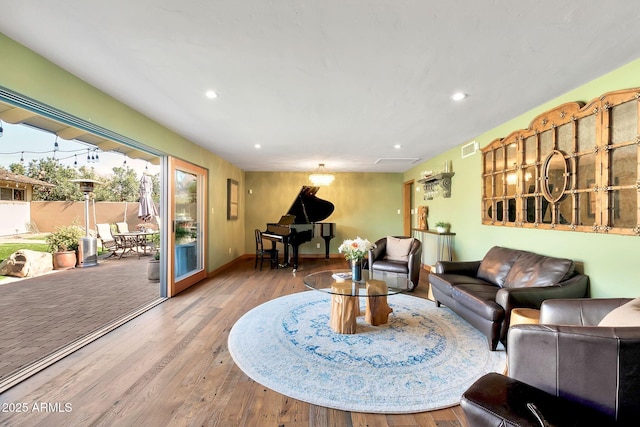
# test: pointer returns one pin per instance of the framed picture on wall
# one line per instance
(232, 199)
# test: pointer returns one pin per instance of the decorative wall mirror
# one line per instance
(575, 168)
(554, 178)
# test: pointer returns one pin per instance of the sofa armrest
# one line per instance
(597, 366)
(497, 400)
(581, 311)
(466, 268)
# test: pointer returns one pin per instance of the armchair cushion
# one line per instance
(625, 315)
(398, 249)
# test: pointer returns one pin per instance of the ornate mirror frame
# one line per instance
(575, 168)
(555, 177)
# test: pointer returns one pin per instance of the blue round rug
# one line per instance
(422, 360)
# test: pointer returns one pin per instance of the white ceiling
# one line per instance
(337, 82)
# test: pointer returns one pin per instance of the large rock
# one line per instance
(26, 263)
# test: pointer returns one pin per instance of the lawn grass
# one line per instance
(7, 249)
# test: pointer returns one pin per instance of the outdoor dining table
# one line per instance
(133, 240)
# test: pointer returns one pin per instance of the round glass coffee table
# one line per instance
(345, 293)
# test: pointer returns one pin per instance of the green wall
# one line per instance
(31, 75)
(611, 261)
(366, 205)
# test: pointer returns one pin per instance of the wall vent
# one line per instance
(469, 149)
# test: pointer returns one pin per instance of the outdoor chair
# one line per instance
(130, 242)
(122, 227)
(108, 241)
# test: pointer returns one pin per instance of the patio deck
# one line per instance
(40, 315)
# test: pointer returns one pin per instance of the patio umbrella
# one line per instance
(147, 208)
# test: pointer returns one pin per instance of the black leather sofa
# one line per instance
(484, 292)
(566, 371)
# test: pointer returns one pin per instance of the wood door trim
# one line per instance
(174, 288)
(407, 192)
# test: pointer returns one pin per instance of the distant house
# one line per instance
(16, 191)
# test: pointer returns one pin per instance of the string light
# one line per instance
(22, 157)
(75, 162)
(56, 147)
(1, 129)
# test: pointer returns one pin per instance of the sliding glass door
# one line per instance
(186, 261)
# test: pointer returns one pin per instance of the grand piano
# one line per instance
(301, 224)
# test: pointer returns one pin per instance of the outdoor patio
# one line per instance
(42, 314)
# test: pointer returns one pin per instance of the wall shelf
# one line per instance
(435, 184)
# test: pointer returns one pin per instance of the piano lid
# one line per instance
(308, 208)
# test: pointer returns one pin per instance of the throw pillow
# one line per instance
(398, 249)
(625, 315)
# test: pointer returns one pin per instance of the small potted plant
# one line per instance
(153, 266)
(63, 244)
(443, 227)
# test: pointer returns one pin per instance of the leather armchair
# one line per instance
(564, 371)
(411, 268)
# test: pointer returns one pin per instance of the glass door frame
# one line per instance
(176, 286)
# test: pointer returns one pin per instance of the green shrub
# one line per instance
(64, 238)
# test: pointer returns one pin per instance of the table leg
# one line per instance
(378, 310)
(343, 314)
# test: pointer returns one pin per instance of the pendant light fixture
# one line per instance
(321, 176)
(56, 147)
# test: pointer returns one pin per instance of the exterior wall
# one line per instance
(609, 260)
(15, 217)
(46, 216)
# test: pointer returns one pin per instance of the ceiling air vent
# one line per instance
(469, 149)
(397, 160)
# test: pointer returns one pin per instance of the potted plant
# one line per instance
(153, 266)
(63, 244)
(443, 227)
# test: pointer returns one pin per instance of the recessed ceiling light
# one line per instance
(397, 146)
(458, 96)
(211, 94)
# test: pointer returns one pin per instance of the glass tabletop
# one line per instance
(338, 282)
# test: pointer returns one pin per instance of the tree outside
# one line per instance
(121, 185)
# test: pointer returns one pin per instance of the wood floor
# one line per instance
(171, 366)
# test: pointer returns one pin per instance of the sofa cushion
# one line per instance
(481, 299)
(496, 264)
(398, 249)
(531, 270)
(625, 315)
(446, 282)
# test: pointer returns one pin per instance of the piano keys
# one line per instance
(302, 223)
